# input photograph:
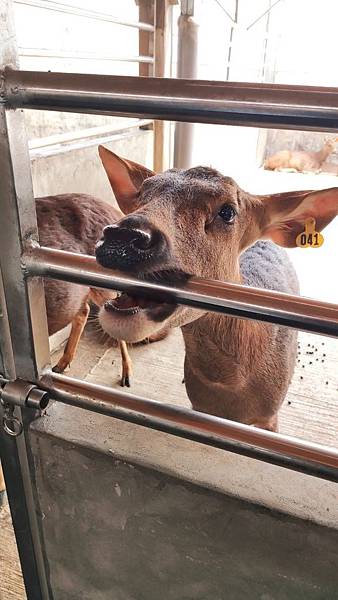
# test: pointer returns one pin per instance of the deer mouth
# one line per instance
(130, 313)
(125, 305)
(160, 305)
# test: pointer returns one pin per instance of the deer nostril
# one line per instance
(113, 234)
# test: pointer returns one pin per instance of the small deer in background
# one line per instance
(198, 222)
(300, 160)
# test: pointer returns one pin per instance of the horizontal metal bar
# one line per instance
(82, 144)
(228, 298)
(85, 138)
(284, 451)
(247, 104)
(81, 12)
(84, 134)
(81, 55)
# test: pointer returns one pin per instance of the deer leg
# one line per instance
(2, 486)
(268, 424)
(127, 364)
(156, 337)
(78, 325)
(99, 297)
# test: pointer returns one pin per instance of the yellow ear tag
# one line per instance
(310, 238)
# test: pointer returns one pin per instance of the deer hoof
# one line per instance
(60, 368)
(125, 381)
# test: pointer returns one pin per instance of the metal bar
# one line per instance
(26, 342)
(81, 55)
(284, 451)
(84, 134)
(186, 69)
(81, 144)
(228, 298)
(247, 104)
(29, 359)
(44, 147)
(81, 12)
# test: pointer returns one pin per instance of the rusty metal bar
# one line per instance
(228, 298)
(247, 104)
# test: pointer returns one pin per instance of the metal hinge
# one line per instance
(24, 394)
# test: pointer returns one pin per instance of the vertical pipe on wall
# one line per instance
(186, 69)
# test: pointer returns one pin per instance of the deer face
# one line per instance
(183, 223)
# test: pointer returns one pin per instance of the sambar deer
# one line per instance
(74, 222)
(199, 222)
(300, 160)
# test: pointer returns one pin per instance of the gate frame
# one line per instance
(25, 363)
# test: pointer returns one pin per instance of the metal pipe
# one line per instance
(26, 353)
(248, 104)
(59, 54)
(85, 134)
(186, 69)
(228, 298)
(81, 12)
(284, 451)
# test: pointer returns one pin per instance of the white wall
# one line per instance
(40, 29)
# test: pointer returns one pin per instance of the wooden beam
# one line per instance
(146, 38)
(159, 71)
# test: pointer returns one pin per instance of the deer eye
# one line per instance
(227, 213)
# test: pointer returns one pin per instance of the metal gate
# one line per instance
(26, 378)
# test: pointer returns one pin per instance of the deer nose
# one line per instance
(115, 235)
(131, 245)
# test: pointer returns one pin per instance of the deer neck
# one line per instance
(224, 348)
(323, 154)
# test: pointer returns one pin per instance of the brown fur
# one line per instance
(300, 160)
(71, 222)
(74, 222)
(236, 369)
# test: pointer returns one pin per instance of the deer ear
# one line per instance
(285, 214)
(125, 178)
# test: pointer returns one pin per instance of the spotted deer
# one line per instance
(199, 222)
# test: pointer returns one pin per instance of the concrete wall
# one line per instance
(82, 171)
(63, 35)
(115, 530)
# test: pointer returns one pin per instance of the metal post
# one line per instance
(186, 69)
(24, 349)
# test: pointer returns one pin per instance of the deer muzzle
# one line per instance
(131, 248)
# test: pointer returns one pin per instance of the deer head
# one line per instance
(190, 222)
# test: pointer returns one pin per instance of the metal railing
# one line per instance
(220, 102)
(25, 344)
(228, 298)
(86, 13)
(252, 104)
(82, 55)
(225, 103)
